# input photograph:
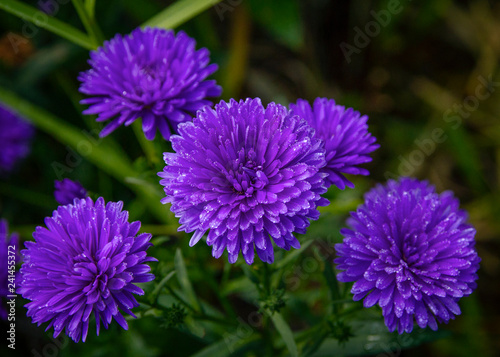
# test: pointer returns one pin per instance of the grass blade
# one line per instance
(285, 332)
(46, 22)
(182, 276)
(179, 12)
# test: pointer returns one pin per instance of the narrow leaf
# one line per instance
(179, 13)
(46, 22)
(182, 276)
(160, 285)
(90, 8)
(285, 332)
(89, 23)
(332, 283)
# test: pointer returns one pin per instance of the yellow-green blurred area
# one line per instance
(425, 72)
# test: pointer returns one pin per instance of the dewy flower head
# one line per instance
(345, 133)
(151, 73)
(9, 246)
(67, 190)
(411, 251)
(15, 139)
(248, 174)
(86, 261)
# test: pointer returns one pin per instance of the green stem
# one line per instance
(147, 146)
(89, 23)
(46, 22)
(90, 8)
(267, 279)
(179, 12)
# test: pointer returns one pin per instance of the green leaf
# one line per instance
(46, 22)
(281, 18)
(285, 332)
(90, 8)
(96, 151)
(182, 276)
(179, 12)
(332, 283)
(466, 153)
(161, 285)
(89, 23)
(195, 327)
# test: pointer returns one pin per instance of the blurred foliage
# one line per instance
(432, 68)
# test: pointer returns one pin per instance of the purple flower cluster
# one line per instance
(248, 174)
(5, 242)
(249, 177)
(87, 260)
(152, 74)
(345, 133)
(15, 139)
(411, 251)
(67, 190)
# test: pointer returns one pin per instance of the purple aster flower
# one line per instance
(248, 174)
(345, 133)
(86, 261)
(48, 7)
(15, 139)
(151, 73)
(8, 246)
(411, 251)
(67, 190)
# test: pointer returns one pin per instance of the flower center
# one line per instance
(245, 174)
(92, 273)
